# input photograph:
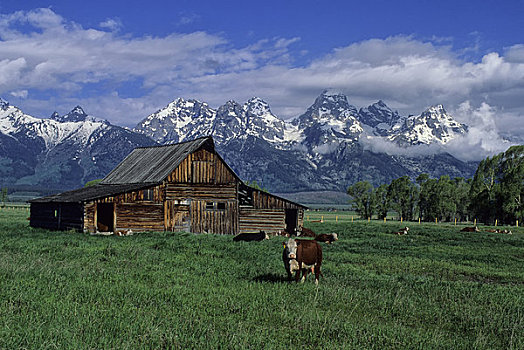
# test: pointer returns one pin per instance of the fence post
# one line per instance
(336, 218)
(517, 223)
(475, 222)
(351, 218)
(496, 222)
(436, 220)
(384, 219)
(401, 219)
(369, 219)
(455, 221)
(419, 221)
(322, 219)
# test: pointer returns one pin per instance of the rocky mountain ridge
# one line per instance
(318, 150)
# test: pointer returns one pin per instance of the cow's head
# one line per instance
(335, 236)
(291, 248)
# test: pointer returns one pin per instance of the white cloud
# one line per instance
(62, 57)
(113, 24)
(19, 93)
(483, 138)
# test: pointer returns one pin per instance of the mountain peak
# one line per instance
(435, 109)
(257, 106)
(379, 116)
(332, 92)
(78, 110)
(3, 103)
(432, 125)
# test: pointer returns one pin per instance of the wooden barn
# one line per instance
(180, 187)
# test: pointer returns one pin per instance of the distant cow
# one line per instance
(251, 236)
(305, 232)
(327, 238)
(402, 232)
(124, 233)
(470, 229)
(508, 232)
(301, 255)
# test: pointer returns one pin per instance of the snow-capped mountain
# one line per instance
(60, 152)
(181, 120)
(434, 125)
(379, 118)
(188, 119)
(331, 120)
(319, 150)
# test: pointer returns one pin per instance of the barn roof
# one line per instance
(91, 193)
(154, 164)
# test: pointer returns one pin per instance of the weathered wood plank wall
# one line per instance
(140, 216)
(218, 221)
(269, 220)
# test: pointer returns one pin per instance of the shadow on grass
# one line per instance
(272, 278)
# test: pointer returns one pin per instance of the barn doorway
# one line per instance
(105, 217)
(291, 220)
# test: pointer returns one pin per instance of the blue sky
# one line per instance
(122, 60)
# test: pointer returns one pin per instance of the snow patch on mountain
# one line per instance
(434, 125)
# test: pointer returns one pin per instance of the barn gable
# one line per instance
(155, 164)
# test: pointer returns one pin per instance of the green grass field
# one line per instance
(436, 288)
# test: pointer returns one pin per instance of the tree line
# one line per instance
(496, 192)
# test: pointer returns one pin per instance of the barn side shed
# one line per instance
(180, 187)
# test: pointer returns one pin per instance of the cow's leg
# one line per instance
(297, 273)
(304, 275)
(317, 273)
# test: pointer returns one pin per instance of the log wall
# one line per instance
(140, 216)
(125, 204)
(263, 200)
(268, 220)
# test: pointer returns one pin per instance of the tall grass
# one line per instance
(436, 288)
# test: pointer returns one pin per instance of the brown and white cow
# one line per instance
(402, 232)
(470, 229)
(306, 232)
(327, 238)
(301, 255)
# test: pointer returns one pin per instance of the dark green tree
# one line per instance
(402, 196)
(362, 198)
(512, 184)
(381, 201)
(462, 201)
(484, 190)
(497, 189)
(4, 196)
(92, 182)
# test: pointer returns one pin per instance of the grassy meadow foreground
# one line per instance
(436, 288)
